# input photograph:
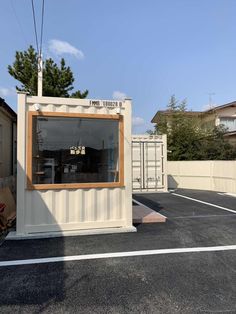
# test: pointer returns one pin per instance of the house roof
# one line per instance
(8, 109)
(193, 113)
(168, 113)
(230, 104)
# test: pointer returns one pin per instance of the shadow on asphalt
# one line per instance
(154, 205)
(29, 288)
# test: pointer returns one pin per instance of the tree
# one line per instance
(182, 131)
(216, 147)
(57, 80)
(188, 140)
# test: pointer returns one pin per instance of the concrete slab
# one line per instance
(41, 235)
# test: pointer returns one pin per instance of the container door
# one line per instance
(148, 165)
(137, 165)
(153, 166)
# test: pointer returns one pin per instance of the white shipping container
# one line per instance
(45, 207)
(149, 156)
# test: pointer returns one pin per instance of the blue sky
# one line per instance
(147, 50)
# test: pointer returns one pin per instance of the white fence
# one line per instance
(203, 175)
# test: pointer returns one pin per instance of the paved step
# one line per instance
(143, 214)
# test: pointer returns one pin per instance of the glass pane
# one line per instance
(75, 150)
(229, 123)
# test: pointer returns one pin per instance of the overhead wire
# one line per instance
(35, 27)
(38, 45)
(41, 31)
(18, 21)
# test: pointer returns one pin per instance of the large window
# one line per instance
(229, 123)
(75, 151)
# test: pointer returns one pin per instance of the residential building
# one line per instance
(221, 115)
(8, 120)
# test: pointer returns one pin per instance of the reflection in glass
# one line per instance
(75, 150)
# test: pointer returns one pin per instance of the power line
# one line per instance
(41, 36)
(39, 48)
(35, 28)
(18, 21)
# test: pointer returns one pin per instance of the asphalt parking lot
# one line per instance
(166, 281)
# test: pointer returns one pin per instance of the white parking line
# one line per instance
(203, 216)
(206, 203)
(115, 255)
(227, 194)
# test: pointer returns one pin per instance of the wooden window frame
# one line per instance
(29, 157)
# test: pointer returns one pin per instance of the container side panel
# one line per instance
(55, 210)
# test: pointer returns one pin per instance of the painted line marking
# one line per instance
(206, 203)
(141, 204)
(201, 216)
(227, 194)
(115, 255)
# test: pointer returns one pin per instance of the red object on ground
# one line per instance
(2, 207)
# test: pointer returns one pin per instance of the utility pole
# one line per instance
(40, 75)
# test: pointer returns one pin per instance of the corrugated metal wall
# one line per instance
(63, 210)
(71, 209)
